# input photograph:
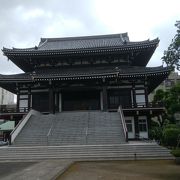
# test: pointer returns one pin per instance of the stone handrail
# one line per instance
(123, 123)
(21, 124)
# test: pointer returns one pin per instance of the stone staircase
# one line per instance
(78, 136)
(126, 151)
(80, 128)
(72, 128)
(35, 131)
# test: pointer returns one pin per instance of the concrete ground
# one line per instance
(8, 168)
(105, 170)
(43, 170)
(123, 170)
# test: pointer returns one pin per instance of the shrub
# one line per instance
(170, 136)
(156, 133)
(171, 126)
(176, 152)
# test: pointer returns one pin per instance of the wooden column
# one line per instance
(149, 123)
(146, 95)
(101, 100)
(17, 106)
(56, 102)
(134, 95)
(29, 98)
(51, 98)
(105, 100)
(136, 125)
(60, 102)
(18, 97)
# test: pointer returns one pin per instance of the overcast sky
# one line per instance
(24, 22)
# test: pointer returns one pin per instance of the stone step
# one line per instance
(125, 151)
(72, 128)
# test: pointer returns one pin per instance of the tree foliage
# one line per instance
(170, 99)
(170, 136)
(172, 55)
(167, 132)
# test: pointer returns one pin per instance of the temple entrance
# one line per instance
(40, 101)
(80, 100)
(119, 97)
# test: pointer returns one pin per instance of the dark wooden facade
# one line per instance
(88, 73)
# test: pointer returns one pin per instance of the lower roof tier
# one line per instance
(154, 75)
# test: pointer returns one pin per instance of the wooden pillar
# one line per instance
(29, 98)
(149, 123)
(105, 100)
(18, 97)
(60, 102)
(134, 95)
(136, 125)
(146, 95)
(56, 102)
(51, 98)
(101, 100)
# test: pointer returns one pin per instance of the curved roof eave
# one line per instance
(124, 47)
(99, 74)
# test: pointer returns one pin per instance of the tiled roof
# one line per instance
(14, 77)
(84, 43)
(96, 72)
(86, 73)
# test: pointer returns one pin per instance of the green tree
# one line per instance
(161, 128)
(170, 99)
(173, 100)
(172, 55)
(160, 98)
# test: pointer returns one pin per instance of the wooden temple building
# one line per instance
(90, 73)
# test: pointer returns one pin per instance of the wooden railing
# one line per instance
(143, 105)
(123, 123)
(13, 109)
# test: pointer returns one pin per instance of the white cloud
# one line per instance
(136, 17)
(23, 23)
(62, 26)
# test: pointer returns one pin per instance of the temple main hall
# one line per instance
(99, 84)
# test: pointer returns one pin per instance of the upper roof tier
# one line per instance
(84, 42)
(82, 46)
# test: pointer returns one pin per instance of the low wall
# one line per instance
(22, 123)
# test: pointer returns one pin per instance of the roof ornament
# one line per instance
(33, 73)
(42, 43)
(123, 39)
(124, 42)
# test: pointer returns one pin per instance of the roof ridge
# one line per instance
(120, 35)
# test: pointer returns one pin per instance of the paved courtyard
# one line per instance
(105, 170)
(123, 170)
(42, 170)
